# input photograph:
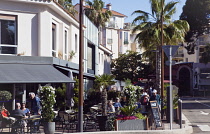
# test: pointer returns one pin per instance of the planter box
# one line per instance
(138, 124)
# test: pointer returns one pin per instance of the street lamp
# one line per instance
(170, 51)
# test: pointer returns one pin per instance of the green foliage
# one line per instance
(5, 95)
(127, 82)
(205, 57)
(60, 96)
(47, 97)
(140, 116)
(131, 93)
(149, 31)
(104, 81)
(129, 66)
(67, 4)
(96, 13)
(174, 95)
(130, 110)
(110, 124)
(94, 97)
(196, 13)
(112, 95)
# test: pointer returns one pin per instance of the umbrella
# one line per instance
(70, 91)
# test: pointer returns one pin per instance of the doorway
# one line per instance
(184, 82)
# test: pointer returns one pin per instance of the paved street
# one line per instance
(197, 110)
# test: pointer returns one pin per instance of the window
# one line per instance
(109, 41)
(65, 45)
(8, 34)
(125, 37)
(76, 42)
(186, 60)
(54, 40)
(91, 56)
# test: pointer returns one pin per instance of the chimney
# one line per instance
(109, 6)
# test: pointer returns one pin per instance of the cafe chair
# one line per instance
(18, 126)
(69, 122)
(90, 122)
(33, 125)
(59, 120)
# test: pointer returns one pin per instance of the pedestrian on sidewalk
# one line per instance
(156, 97)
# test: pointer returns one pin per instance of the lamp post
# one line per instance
(170, 51)
(81, 68)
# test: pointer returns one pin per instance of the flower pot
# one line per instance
(138, 124)
(102, 122)
(49, 127)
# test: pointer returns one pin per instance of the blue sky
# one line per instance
(127, 7)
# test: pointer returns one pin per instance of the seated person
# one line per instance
(123, 101)
(144, 102)
(25, 110)
(18, 114)
(117, 104)
(5, 116)
(110, 107)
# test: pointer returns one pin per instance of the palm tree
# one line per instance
(104, 81)
(98, 15)
(67, 4)
(149, 27)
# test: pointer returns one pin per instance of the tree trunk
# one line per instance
(104, 102)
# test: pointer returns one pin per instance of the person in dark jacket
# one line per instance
(18, 112)
(35, 104)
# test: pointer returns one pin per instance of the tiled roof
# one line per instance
(114, 13)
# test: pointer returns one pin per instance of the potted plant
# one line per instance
(103, 82)
(47, 97)
(5, 96)
(131, 119)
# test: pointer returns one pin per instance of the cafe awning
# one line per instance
(31, 73)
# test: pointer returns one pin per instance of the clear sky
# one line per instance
(127, 7)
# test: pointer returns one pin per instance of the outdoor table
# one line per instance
(95, 108)
(31, 122)
(69, 111)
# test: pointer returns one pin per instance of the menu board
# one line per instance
(156, 113)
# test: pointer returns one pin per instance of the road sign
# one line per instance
(166, 49)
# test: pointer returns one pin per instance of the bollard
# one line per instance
(180, 112)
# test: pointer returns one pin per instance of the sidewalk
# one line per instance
(186, 129)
